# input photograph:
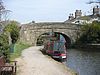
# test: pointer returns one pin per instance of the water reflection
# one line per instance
(84, 62)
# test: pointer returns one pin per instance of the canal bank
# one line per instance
(91, 47)
(33, 62)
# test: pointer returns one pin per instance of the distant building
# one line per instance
(79, 19)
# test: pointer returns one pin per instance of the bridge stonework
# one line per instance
(30, 32)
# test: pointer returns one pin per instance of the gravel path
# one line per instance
(33, 62)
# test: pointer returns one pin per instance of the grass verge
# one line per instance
(18, 48)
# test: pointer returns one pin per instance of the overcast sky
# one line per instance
(44, 10)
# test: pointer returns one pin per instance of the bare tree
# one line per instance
(3, 16)
(3, 12)
(2, 8)
(94, 1)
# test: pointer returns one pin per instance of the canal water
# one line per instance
(84, 62)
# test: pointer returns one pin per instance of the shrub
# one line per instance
(90, 34)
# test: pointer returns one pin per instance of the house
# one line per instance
(79, 19)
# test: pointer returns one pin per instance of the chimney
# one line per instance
(78, 14)
(96, 11)
(71, 17)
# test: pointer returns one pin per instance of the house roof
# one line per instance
(87, 18)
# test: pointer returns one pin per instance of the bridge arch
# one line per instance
(41, 38)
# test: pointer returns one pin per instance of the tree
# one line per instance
(13, 29)
(3, 12)
(90, 34)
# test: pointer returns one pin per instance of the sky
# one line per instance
(25, 11)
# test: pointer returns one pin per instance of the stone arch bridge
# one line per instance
(30, 32)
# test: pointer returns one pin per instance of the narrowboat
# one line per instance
(56, 49)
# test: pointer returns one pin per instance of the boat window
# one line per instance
(60, 46)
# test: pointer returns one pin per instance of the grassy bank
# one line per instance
(18, 48)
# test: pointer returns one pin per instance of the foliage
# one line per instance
(18, 49)
(13, 29)
(85, 18)
(4, 45)
(90, 34)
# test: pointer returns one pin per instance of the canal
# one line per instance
(84, 62)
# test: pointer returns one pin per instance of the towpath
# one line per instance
(33, 62)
